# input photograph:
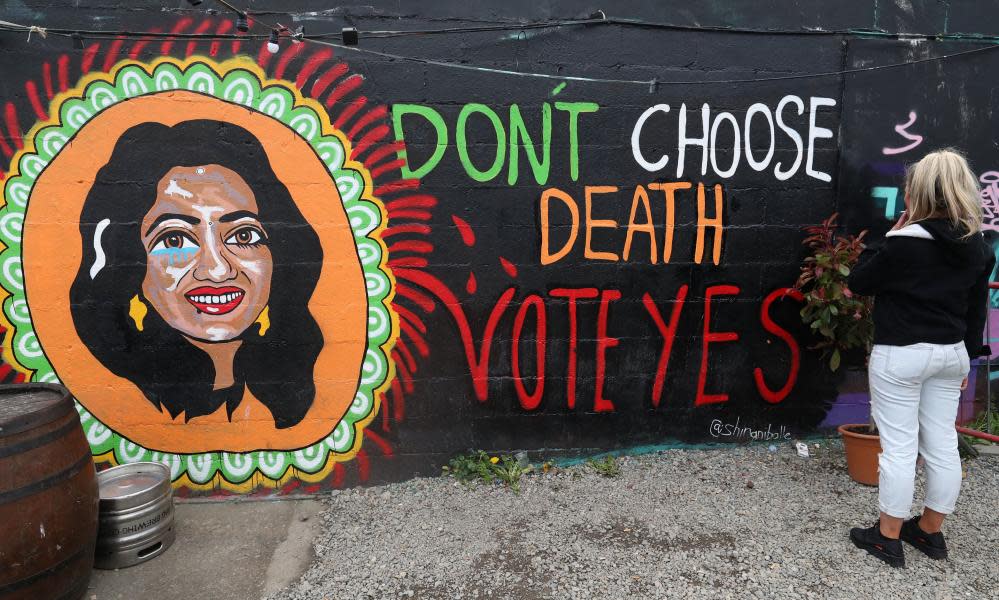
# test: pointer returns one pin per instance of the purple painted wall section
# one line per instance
(993, 328)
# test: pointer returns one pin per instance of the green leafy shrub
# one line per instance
(981, 423)
(832, 311)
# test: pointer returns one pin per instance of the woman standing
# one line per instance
(930, 283)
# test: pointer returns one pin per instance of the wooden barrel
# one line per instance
(48, 495)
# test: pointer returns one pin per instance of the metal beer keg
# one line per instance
(136, 514)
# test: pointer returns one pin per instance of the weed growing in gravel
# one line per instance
(607, 466)
(509, 471)
(480, 466)
(469, 467)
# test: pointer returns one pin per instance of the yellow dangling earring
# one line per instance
(265, 320)
(137, 310)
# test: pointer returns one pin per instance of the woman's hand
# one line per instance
(964, 384)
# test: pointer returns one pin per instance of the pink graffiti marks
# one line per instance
(990, 200)
(902, 130)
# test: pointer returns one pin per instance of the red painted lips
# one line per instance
(215, 300)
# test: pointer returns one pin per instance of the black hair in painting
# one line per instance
(278, 368)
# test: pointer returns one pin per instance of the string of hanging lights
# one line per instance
(349, 37)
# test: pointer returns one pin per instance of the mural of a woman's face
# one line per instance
(208, 265)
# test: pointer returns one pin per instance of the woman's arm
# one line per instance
(870, 272)
(872, 269)
(978, 300)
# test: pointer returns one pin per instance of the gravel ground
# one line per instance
(744, 522)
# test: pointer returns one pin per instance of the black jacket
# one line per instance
(929, 284)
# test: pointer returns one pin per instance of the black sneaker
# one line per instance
(930, 544)
(886, 549)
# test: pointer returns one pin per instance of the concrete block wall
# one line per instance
(284, 272)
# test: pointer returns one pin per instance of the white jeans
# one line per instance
(915, 391)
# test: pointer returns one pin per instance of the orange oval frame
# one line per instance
(52, 252)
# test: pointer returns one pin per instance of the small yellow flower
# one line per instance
(494, 460)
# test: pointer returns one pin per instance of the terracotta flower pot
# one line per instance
(861, 453)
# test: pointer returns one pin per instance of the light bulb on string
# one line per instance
(349, 36)
(272, 42)
(242, 25)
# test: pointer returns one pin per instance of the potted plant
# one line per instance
(842, 322)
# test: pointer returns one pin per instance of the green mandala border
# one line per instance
(242, 83)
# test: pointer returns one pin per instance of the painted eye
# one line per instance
(245, 237)
(172, 242)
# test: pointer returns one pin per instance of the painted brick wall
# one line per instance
(284, 272)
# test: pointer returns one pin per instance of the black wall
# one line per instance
(441, 412)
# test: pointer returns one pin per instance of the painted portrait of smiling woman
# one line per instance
(197, 272)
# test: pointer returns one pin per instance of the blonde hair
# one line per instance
(942, 184)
